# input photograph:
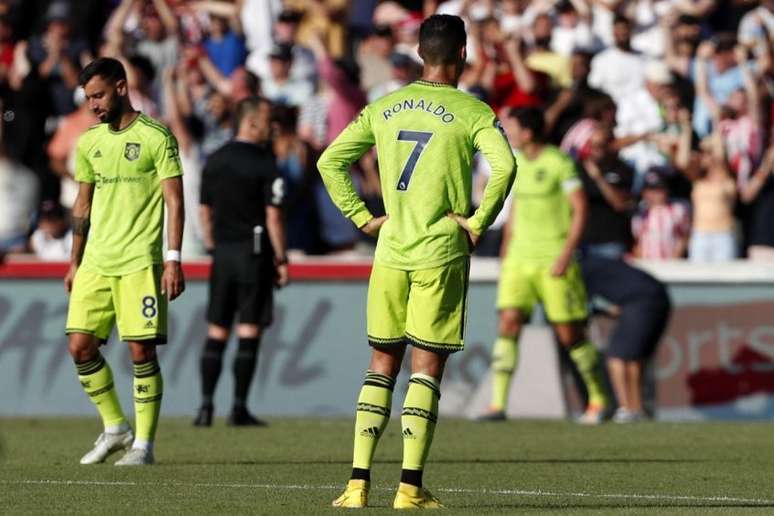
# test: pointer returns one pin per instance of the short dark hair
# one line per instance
(620, 18)
(106, 67)
(441, 36)
(246, 106)
(530, 118)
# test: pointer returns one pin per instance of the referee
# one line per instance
(242, 219)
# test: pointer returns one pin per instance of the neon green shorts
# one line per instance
(133, 302)
(424, 308)
(522, 285)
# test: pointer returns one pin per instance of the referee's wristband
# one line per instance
(173, 255)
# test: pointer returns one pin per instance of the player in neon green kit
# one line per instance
(425, 135)
(127, 167)
(547, 219)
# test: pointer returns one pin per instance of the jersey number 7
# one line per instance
(421, 139)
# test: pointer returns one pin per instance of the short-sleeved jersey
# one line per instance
(127, 211)
(426, 135)
(238, 182)
(542, 212)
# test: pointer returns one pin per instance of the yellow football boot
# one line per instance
(355, 496)
(413, 497)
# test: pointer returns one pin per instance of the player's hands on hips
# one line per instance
(559, 268)
(473, 238)
(69, 277)
(282, 278)
(172, 281)
(372, 227)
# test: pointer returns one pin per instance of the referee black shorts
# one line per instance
(241, 282)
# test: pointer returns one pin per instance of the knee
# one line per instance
(217, 332)
(142, 353)
(82, 348)
(386, 362)
(509, 324)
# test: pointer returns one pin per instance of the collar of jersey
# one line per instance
(127, 127)
(423, 82)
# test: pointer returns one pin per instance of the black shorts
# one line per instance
(243, 283)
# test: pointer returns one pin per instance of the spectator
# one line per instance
(18, 199)
(542, 58)
(661, 226)
(713, 237)
(739, 119)
(61, 148)
(280, 87)
(403, 70)
(607, 182)
(224, 43)
(618, 70)
(757, 26)
(374, 58)
(285, 32)
(56, 57)
(640, 116)
(572, 30)
(297, 171)
(759, 193)
(52, 241)
(723, 78)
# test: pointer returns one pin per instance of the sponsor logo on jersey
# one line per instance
(132, 151)
(100, 180)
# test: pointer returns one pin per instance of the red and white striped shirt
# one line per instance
(659, 229)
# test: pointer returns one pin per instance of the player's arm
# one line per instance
(580, 210)
(275, 226)
(172, 281)
(334, 166)
(81, 215)
(492, 143)
(170, 171)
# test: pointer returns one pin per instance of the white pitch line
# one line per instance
(503, 492)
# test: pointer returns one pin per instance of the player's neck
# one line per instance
(532, 150)
(125, 120)
(441, 74)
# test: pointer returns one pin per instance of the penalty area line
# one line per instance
(500, 492)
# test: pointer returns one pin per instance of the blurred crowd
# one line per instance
(665, 105)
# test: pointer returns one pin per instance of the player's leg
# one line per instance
(89, 322)
(141, 317)
(616, 371)
(148, 390)
(256, 310)
(221, 307)
(515, 298)
(245, 362)
(588, 361)
(386, 326)
(210, 366)
(564, 299)
(435, 327)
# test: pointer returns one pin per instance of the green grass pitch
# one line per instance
(297, 466)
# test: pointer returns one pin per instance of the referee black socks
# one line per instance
(210, 366)
(244, 369)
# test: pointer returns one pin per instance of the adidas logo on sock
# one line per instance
(150, 324)
(370, 432)
(98, 154)
(408, 434)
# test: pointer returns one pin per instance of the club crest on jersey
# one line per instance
(132, 151)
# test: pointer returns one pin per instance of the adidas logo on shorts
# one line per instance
(150, 324)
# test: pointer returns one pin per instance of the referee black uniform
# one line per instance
(239, 182)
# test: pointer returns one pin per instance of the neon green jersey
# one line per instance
(127, 211)
(425, 135)
(542, 213)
